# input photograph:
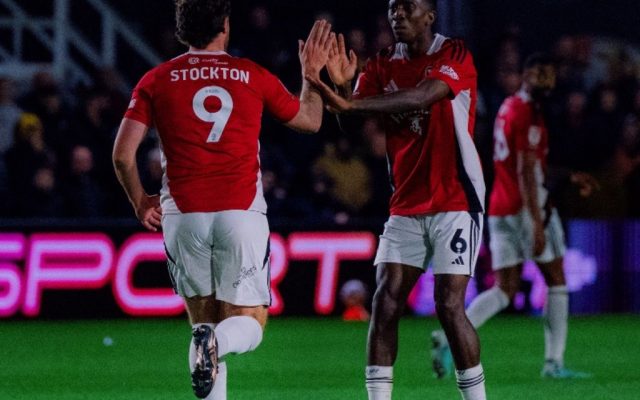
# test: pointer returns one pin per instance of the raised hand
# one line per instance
(341, 68)
(314, 53)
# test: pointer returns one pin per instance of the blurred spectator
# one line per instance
(92, 130)
(9, 114)
(46, 101)
(152, 174)
(354, 295)
(25, 158)
(84, 196)
(348, 174)
(43, 197)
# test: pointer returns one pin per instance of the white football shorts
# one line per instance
(511, 240)
(451, 239)
(224, 253)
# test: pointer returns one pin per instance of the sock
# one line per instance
(486, 305)
(471, 383)
(556, 313)
(238, 335)
(379, 382)
(219, 391)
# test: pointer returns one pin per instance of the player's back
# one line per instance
(207, 108)
(519, 126)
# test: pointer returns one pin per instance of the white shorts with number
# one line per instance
(451, 239)
(224, 253)
(512, 239)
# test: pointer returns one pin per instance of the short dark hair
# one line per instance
(198, 22)
(434, 4)
(537, 59)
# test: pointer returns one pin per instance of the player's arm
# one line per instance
(128, 139)
(313, 56)
(527, 160)
(421, 97)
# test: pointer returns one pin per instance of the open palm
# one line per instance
(341, 68)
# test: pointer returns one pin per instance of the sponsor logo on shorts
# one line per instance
(244, 274)
(458, 261)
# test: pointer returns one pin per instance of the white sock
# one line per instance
(238, 335)
(471, 383)
(219, 391)
(486, 305)
(556, 313)
(379, 382)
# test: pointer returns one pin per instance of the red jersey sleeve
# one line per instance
(367, 83)
(140, 105)
(454, 67)
(277, 99)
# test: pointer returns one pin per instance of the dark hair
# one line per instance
(433, 4)
(198, 22)
(537, 59)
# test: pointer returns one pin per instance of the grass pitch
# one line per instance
(305, 359)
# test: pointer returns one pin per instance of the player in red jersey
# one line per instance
(207, 106)
(423, 88)
(522, 223)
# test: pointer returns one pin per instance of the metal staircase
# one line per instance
(63, 48)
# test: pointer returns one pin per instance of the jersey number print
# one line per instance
(218, 118)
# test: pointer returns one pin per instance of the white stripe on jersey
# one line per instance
(461, 105)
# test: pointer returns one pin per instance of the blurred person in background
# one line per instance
(348, 174)
(43, 197)
(354, 295)
(207, 107)
(424, 88)
(523, 224)
(83, 192)
(9, 116)
(45, 99)
(24, 159)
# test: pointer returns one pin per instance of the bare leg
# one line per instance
(395, 282)
(463, 340)
(449, 296)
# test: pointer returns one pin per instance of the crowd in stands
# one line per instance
(56, 141)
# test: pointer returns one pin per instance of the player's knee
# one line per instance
(385, 305)
(449, 307)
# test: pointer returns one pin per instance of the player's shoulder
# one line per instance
(516, 107)
(455, 48)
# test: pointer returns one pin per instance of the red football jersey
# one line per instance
(207, 108)
(433, 163)
(519, 127)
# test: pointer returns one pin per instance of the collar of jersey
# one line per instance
(402, 50)
(209, 53)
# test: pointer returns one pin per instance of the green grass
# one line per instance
(305, 359)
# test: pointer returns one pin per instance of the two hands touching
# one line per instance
(324, 48)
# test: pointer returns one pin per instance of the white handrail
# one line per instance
(58, 34)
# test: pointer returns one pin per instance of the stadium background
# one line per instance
(72, 258)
